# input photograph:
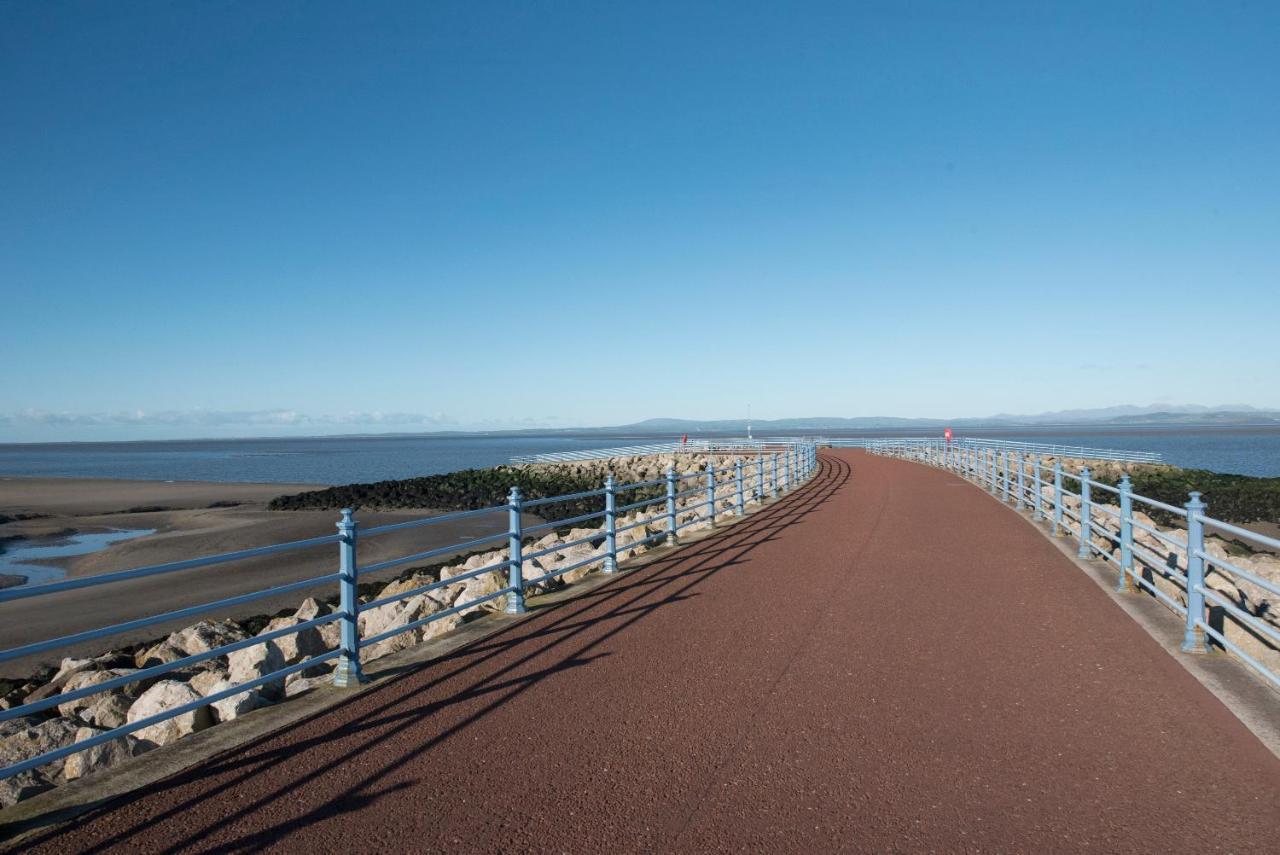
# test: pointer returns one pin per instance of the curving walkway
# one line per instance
(886, 660)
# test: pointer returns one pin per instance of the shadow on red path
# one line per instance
(887, 659)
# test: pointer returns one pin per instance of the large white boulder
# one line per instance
(299, 645)
(207, 635)
(167, 695)
(232, 706)
(106, 709)
(203, 682)
(257, 661)
(160, 654)
(100, 756)
(411, 610)
(330, 633)
(481, 586)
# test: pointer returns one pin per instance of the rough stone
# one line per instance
(299, 645)
(482, 586)
(299, 685)
(312, 608)
(23, 786)
(33, 740)
(232, 706)
(413, 609)
(254, 662)
(161, 654)
(108, 710)
(206, 635)
(166, 695)
(86, 679)
(70, 667)
(202, 682)
(99, 756)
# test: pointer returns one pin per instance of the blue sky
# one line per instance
(247, 218)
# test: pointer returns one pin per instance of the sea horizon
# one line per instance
(351, 458)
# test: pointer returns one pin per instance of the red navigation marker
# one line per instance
(947, 434)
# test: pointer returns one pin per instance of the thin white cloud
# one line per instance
(256, 418)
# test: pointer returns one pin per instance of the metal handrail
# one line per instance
(990, 465)
(801, 464)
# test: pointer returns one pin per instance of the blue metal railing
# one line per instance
(1106, 531)
(782, 468)
(1037, 448)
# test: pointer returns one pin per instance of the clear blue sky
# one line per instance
(249, 218)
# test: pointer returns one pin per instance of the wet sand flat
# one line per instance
(187, 528)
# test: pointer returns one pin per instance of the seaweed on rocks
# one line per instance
(465, 490)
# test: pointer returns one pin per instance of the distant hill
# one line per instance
(1155, 414)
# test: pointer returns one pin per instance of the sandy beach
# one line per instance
(187, 524)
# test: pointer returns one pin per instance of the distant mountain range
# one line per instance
(1155, 414)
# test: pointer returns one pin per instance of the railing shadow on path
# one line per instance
(556, 624)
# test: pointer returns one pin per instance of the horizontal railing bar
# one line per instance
(561, 523)
(1236, 649)
(568, 497)
(537, 580)
(622, 509)
(1245, 618)
(561, 547)
(165, 668)
(1239, 532)
(1158, 564)
(1224, 565)
(450, 517)
(626, 488)
(170, 567)
(1161, 505)
(443, 613)
(430, 553)
(432, 586)
(1174, 605)
(124, 730)
(649, 521)
(1179, 544)
(116, 629)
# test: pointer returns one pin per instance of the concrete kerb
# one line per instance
(63, 804)
(1251, 700)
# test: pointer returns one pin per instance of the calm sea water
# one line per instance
(343, 460)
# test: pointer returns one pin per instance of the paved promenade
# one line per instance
(888, 660)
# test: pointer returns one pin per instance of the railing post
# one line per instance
(760, 476)
(991, 471)
(1193, 640)
(711, 493)
(788, 483)
(1057, 496)
(1022, 480)
(1004, 467)
(671, 504)
(515, 538)
(1037, 483)
(1086, 515)
(610, 525)
(348, 672)
(737, 483)
(773, 481)
(1124, 583)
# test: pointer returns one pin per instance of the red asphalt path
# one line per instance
(888, 660)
